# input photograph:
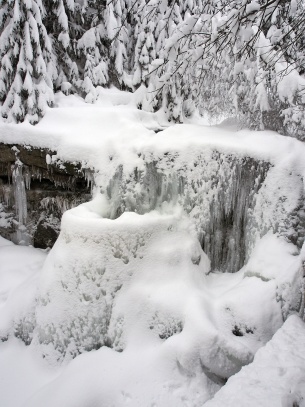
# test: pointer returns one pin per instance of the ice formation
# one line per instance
(228, 202)
(19, 192)
(96, 257)
(33, 197)
(232, 200)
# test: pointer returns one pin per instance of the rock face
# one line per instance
(35, 190)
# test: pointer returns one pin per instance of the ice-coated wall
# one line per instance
(232, 200)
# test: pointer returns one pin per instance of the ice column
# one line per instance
(20, 199)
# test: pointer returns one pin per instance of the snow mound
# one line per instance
(181, 331)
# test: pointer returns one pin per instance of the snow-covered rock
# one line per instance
(275, 378)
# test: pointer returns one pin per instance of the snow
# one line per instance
(173, 319)
(18, 263)
(127, 290)
(91, 133)
(140, 377)
(19, 270)
(22, 373)
(5, 242)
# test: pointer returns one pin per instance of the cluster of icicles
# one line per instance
(14, 194)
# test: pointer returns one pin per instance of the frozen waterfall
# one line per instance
(224, 195)
(137, 259)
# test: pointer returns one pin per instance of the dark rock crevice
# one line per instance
(50, 187)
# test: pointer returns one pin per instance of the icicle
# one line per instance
(6, 195)
(27, 177)
(20, 201)
(19, 192)
(58, 204)
(48, 160)
(63, 204)
(89, 177)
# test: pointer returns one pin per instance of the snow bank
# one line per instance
(139, 378)
(22, 372)
(114, 127)
(19, 269)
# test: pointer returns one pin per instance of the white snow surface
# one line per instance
(173, 320)
(19, 267)
(114, 127)
(142, 285)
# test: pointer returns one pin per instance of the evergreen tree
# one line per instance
(144, 53)
(27, 61)
(244, 57)
(63, 22)
(96, 65)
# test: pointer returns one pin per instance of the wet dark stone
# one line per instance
(45, 236)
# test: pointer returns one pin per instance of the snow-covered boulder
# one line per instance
(275, 378)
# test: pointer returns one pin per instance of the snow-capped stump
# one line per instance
(95, 268)
(66, 87)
